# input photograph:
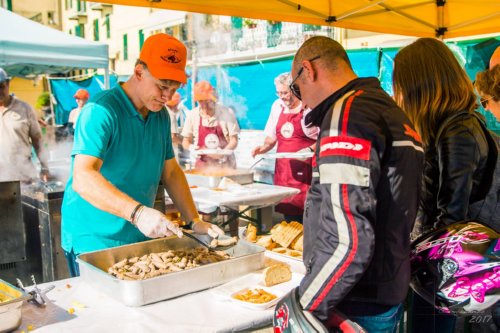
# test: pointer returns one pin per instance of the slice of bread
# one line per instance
(281, 250)
(264, 241)
(298, 243)
(251, 233)
(285, 233)
(276, 274)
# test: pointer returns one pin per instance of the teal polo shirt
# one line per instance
(133, 151)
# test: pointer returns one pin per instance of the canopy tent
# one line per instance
(420, 18)
(29, 48)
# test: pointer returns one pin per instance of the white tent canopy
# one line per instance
(28, 48)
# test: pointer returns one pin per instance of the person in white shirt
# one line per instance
(210, 126)
(285, 127)
(19, 133)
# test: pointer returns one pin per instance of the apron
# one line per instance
(212, 138)
(288, 171)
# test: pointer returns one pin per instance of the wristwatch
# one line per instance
(189, 225)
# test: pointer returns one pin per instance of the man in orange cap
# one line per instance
(210, 127)
(122, 150)
(81, 96)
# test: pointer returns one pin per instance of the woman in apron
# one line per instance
(289, 171)
(210, 126)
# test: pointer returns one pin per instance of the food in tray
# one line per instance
(223, 242)
(289, 234)
(155, 264)
(276, 274)
(257, 296)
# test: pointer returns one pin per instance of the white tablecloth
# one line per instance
(256, 195)
(96, 312)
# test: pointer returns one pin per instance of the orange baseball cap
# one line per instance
(81, 94)
(203, 91)
(165, 57)
(176, 98)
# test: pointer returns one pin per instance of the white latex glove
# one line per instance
(202, 227)
(154, 224)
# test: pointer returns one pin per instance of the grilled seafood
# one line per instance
(155, 264)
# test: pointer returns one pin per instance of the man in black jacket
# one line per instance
(363, 200)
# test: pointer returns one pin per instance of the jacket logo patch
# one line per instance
(345, 146)
(412, 133)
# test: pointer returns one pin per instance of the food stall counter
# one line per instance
(74, 306)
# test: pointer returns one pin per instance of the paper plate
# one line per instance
(226, 291)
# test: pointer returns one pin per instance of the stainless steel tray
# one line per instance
(247, 257)
(10, 309)
(240, 176)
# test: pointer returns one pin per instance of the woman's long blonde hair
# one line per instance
(429, 85)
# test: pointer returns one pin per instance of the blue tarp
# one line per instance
(249, 88)
(64, 89)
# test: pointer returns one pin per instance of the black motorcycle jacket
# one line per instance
(363, 200)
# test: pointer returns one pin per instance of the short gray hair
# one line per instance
(284, 79)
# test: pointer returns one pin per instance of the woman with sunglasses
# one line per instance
(434, 91)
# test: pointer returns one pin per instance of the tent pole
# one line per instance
(51, 102)
(106, 78)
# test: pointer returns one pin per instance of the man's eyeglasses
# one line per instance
(294, 88)
(484, 102)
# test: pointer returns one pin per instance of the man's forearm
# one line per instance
(40, 152)
(98, 191)
(186, 142)
(178, 190)
(233, 142)
(268, 144)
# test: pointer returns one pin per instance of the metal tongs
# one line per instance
(36, 295)
(209, 246)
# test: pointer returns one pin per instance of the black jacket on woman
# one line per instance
(458, 172)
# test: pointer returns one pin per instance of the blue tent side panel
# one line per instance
(63, 91)
(249, 88)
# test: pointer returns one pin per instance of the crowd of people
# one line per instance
(383, 169)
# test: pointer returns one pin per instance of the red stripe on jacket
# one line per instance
(348, 213)
(347, 109)
(350, 257)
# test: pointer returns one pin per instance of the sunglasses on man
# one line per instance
(294, 88)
